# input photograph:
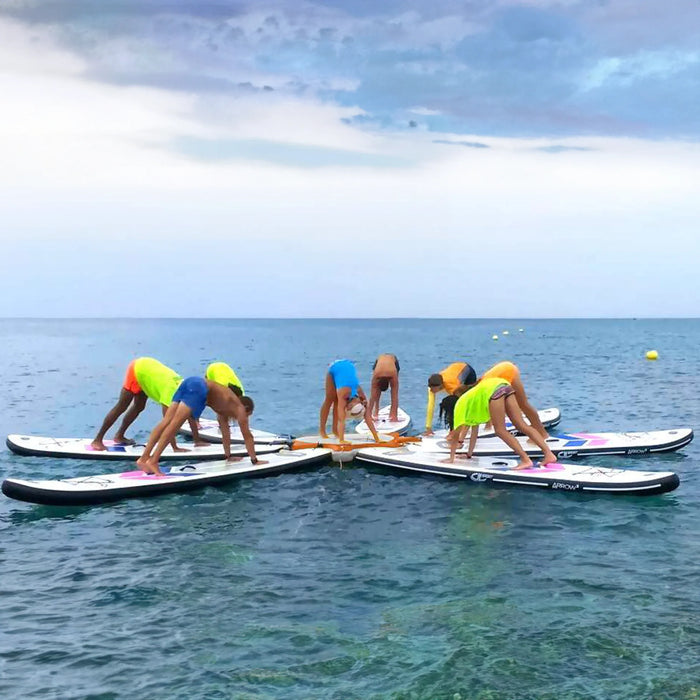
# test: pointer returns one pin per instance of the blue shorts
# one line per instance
(193, 393)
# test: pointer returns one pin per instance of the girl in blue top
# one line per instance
(345, 395)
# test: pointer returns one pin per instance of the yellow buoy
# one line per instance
(494, 337)
(652, 355)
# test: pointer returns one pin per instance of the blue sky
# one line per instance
(505, 158)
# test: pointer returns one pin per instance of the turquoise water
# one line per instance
(349, 583)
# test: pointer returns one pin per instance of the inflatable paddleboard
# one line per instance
(135, 484)
(569, 445)
(502, 472)
(80, 448)
(549, 417)
(384, 425)
(209, 431)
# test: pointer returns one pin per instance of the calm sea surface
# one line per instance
(349, 583)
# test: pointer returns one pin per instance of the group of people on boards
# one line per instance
(471, 401)
(182, 400)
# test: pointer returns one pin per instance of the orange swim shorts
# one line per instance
(130, 382)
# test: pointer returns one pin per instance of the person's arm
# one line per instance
(225, 434)
(194, 427)
(429, 413)
(452, 439)
(242, 418)
(394, 410)
(472, 441)
(370, 425)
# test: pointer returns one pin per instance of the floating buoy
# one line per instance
(494, 337)
(652, 355)
(506, 332)
(520, 330)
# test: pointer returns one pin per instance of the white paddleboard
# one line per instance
(499, 472)
(569, 445)
(549, 417)
(384, 425)
(209, 431)
(80, 448)
(133, 484)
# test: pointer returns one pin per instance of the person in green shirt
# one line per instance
(221, 373)
(490, 400)
(146, 378)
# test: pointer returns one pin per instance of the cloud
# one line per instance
(504, 67)
(468, 144)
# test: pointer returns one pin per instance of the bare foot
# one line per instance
(549, 458)
(201, 443)
(324, 436)
(449, 460)
(234, 459)
(524, 464)
(120, 440)
(98, 445)
(142, 462)
(154, 468)
(179, 449)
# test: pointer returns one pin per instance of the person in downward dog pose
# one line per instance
(345, 396)
(188, 402)
(490, 400)
(511, 373)
(221, 373)
(385, 374)
(145, 379)
(449, 379)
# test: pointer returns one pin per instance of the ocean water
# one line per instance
(352, 583)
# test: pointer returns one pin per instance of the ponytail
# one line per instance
(447, 411)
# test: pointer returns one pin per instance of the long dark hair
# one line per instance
(447, 411)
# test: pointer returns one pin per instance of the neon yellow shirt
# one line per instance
(156, 380)
(221, 373)
(472, 408)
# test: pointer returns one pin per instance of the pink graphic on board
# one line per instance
(594, 440)
(554, 467)
(139, 475)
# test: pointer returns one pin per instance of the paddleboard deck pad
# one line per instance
(81, 448)
(104, 488)
(384, 425)
(209, 431)
(502, 472)
(570, 445)
(549, 417)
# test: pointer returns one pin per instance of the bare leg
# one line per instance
(326, 406)
(527, 408)
(131, 415)
(173, 441)
(512, 408)
(176, 419)
(153, 438)
(497, 409)
(125, 397)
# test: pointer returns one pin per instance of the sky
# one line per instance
(348, 158)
